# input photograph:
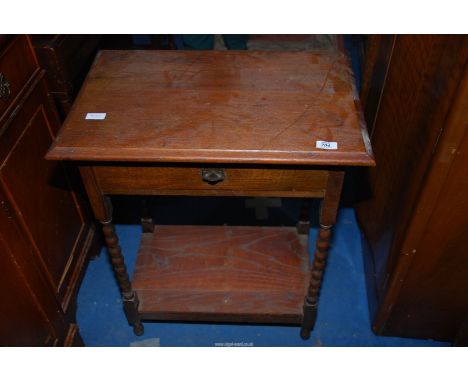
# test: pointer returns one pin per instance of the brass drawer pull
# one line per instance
(4, 88)
(212, 175)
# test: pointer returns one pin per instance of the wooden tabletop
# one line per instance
(217, 106)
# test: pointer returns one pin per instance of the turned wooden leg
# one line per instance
(328, 214)
(303, 224)
(316, 276)
(146, 221)
(102, 209)
(129, 296)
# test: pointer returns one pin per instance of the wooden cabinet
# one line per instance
(30, 314)
(66, 60)
(47, 232)
(415, 222)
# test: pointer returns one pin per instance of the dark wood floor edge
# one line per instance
(73, 337)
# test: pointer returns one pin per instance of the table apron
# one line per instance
(236, 181)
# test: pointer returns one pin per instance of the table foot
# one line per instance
(305, 333)
(308, 322)
(138, 329)
(131, 303)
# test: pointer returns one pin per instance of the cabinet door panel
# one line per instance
(22, 323)
(39, 193)
(17, 66)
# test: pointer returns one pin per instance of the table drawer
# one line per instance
(17, 67)
(198, 180)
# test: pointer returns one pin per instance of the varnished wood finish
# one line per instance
(99, 203)
(130, 298)
(415, 221)
(40, 200)
(18, 66)
(4, 39)
(73, 336)
(31, 313)
(117, 259)
(435, 273)
(328, 212)
(55, 206)
(20, 302)
(146, 220)
(237, 107)
(330, 203)
(322, 245)
(187, 180)
(217, 123)
(255, 274)
(380, 49)
(303, 225)
(66, 59)
(102, 208)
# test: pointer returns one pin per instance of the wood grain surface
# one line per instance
(223, 273)
(187, 180)
(416, 221)
(18, 66)
(213, 106)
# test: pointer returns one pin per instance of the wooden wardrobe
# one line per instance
(414, 213)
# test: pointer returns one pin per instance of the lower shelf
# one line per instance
(230, 274)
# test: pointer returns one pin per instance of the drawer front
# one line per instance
(191, 180)
(17, 67)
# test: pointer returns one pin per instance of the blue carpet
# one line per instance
(343, 318)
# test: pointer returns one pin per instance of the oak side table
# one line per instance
(218, 123)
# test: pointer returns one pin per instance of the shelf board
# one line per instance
(231, 274)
